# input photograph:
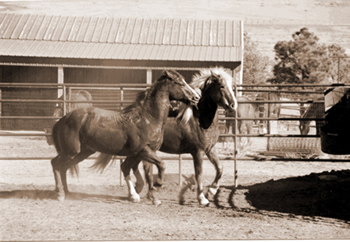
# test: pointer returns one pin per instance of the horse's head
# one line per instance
(217, 84)
(58, 110)
(179, 89)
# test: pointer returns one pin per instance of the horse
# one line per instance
(135, 132)
(81, 95)
(274, 108)
(200, 134)
(315, 110)
(244, 110)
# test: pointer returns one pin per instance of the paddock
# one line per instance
(271, 171)
(277, 186)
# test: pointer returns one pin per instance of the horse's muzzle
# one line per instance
(194, 100)
(232, 107)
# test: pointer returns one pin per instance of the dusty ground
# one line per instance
(274, 200)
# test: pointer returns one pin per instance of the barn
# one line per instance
(41, 54)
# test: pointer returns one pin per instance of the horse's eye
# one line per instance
(222, 87)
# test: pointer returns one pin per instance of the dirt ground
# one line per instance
(274, 200)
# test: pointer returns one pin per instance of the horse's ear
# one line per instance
(167, 73)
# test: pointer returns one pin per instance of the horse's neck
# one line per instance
(207, 113)
(157, 103)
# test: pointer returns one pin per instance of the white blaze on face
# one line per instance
(193, 91)
(229, 83)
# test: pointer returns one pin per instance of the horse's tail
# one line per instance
(102, 161)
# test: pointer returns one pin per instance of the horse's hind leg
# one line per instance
(56, 167)
(214, 159)
(60, 165)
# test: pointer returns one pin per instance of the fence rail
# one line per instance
(286, 104)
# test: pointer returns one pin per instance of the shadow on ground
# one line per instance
(51, 195)
(324, 194)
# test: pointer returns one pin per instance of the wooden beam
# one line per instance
(60, 80)
(149, 76)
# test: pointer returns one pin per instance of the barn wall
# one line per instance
(103, 76)
(22, 74)
(186, 74)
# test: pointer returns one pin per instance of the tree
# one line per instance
(304, 61)
(256, 65)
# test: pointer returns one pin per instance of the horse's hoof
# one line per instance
(157, 202)
(203, 202)
(213, 190)
(158, 183)
(182, 200)
(60, 198)
(135, 198)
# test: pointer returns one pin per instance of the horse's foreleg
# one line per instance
(147, 154)
(214, 159)
(139, 180)
(126, 167)
(198, 168)
(147, 167)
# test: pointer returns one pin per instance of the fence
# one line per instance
(280, 134)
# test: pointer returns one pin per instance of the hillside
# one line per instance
(266, 21)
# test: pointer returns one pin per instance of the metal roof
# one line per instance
(120, 38)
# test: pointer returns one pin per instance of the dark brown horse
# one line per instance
(200, 134)
(244, 110)
(135, 132)
(82, 95)
(315, 110)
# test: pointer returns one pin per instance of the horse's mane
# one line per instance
(198, 80)
(137, 103)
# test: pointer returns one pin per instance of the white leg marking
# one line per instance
(202, 200)
(133, 196)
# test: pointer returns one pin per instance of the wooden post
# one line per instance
(121, 97)
(61, 91)
(60, 80)
(149, 76)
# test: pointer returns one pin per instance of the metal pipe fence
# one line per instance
(239, 89)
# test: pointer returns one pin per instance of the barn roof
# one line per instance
(120, 38)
